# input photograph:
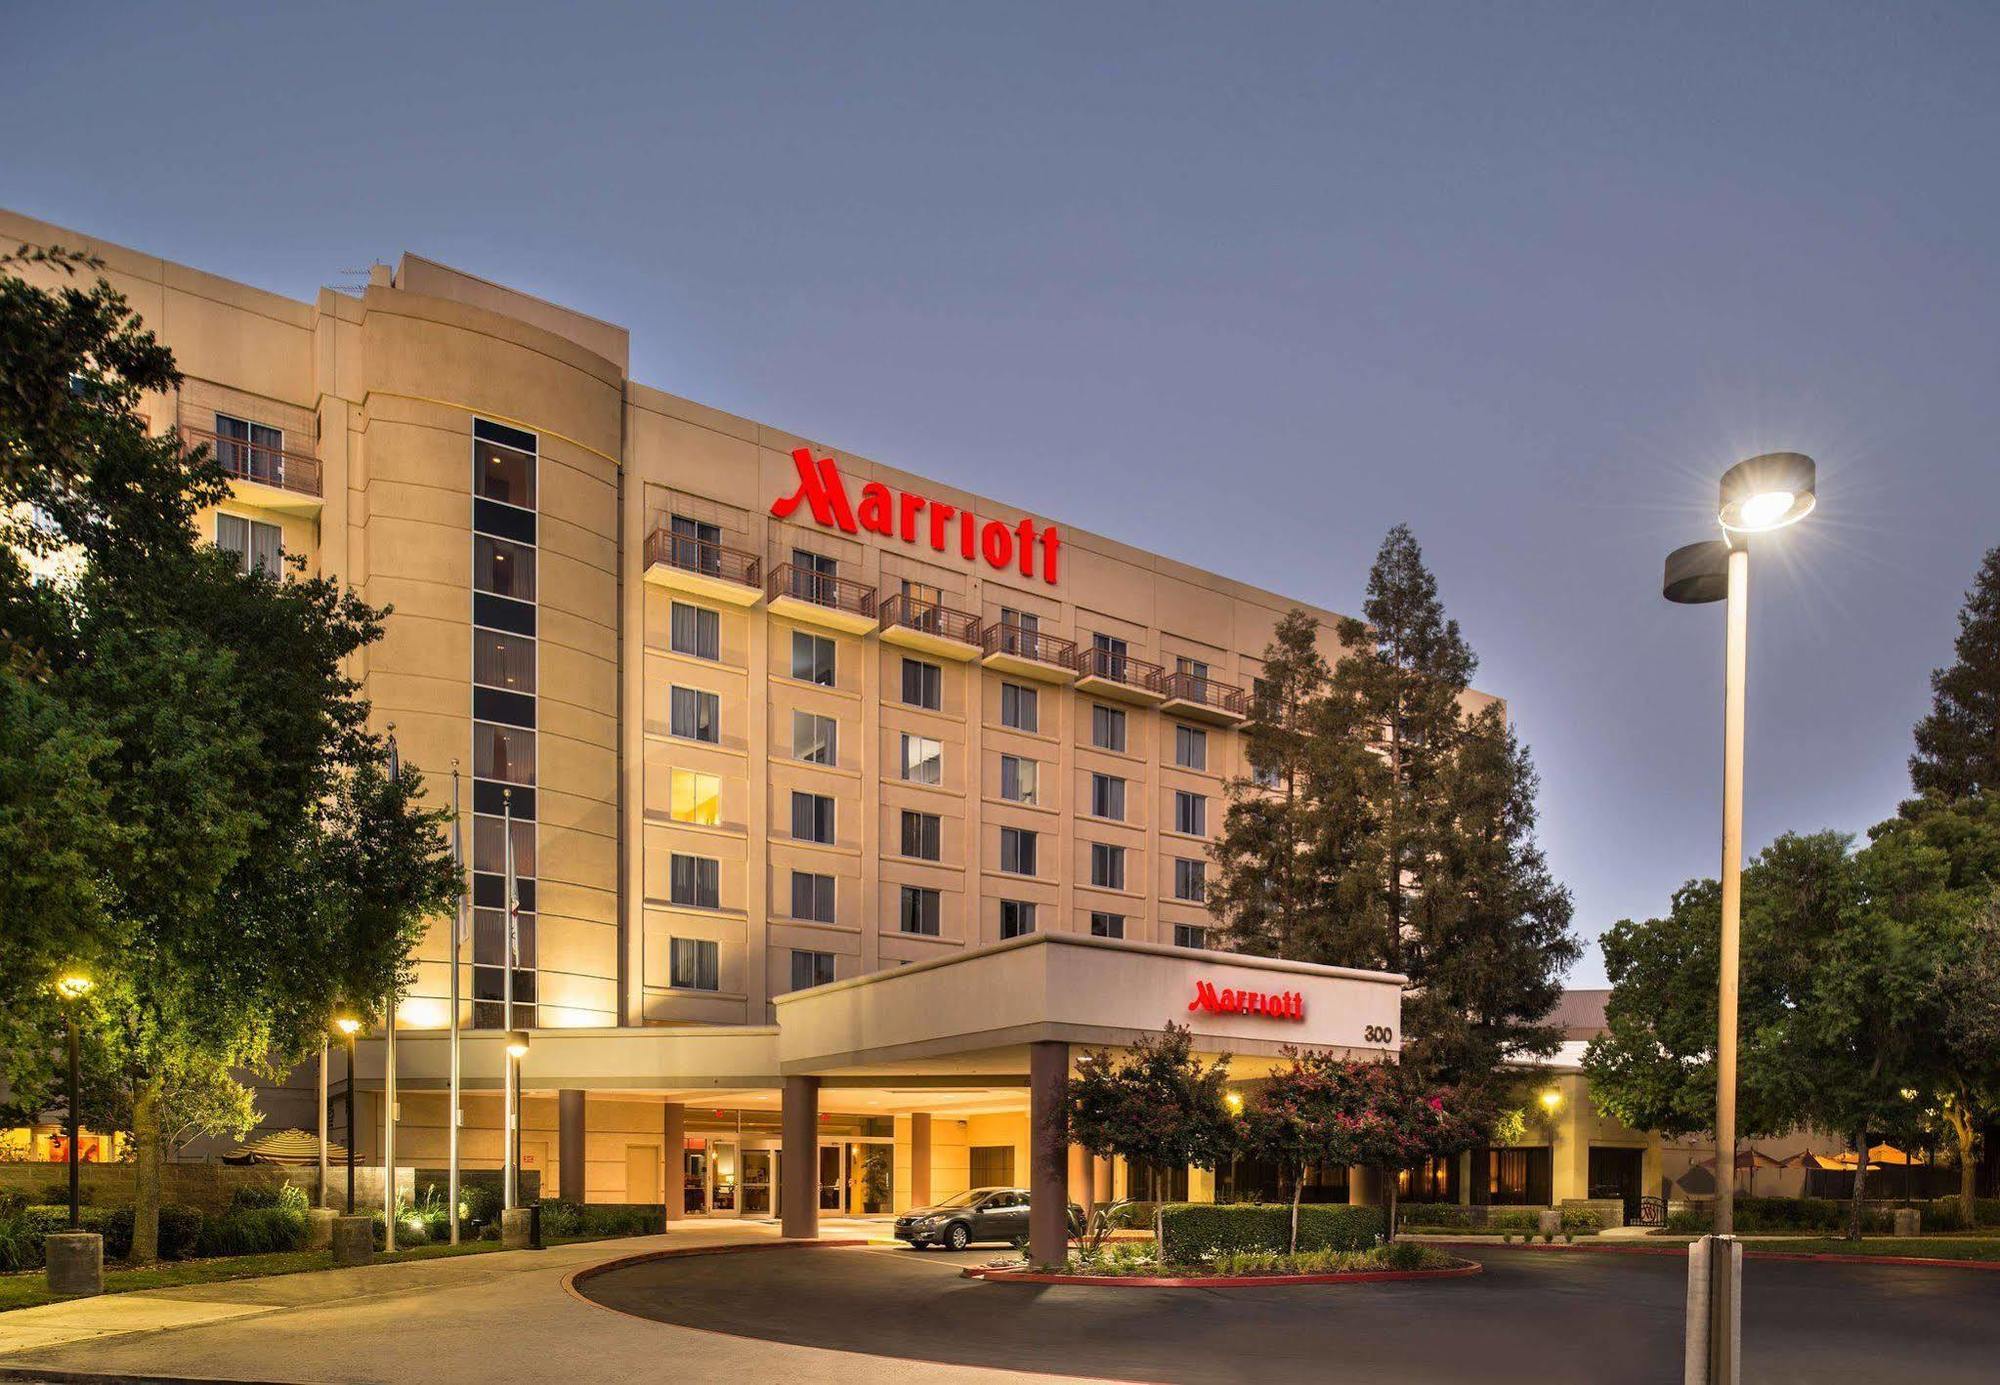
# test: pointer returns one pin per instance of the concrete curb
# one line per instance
(1807, 1257)
(1219, 1281)
(63, 1377)
(588, 1272)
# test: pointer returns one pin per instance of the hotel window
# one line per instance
(503, 661)
(1190, 813)
(1107, 925)
(812, 817)
(812, 897)
(697, 545)
(815, 578)
(1107, 866)
(1107, 728)
(1265, 776)
(921, 601)
(811, 969)
(1017, 632)
(1190, 747)
(1115, 653)
(1017, 917)
(920, 910)
(693, 715)
(503, 567)
(695, 798)
(923, 760)
(1189, 935)
(694, 882)
(695, 631)
(1107, 797)
(812, 658)
(696, 966)
(1020, 708)
(1194, 667)
(489, 970)
(489, 846)
(1018, 779)
(1190, 880)
(815, 739)
(250, 449)
(505, 474)
(923, 684)
(258, 547)
(505, 753)
(1017, 851)
(923, 836)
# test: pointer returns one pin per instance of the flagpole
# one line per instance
(509, 1191)
(389, 1069)
(457, 936)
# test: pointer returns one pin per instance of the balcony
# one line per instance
(1106, 673)
(800, 594)
(930, 627)
(269, 478)
(1029, 653)
(701, 568)
(1195, 698)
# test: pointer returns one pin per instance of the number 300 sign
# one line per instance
(1378, 1034)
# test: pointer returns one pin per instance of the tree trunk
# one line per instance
(1968, 1172)
(1389, 1191)
(147, 1149)
(1860, 1185)
(1298, 1187)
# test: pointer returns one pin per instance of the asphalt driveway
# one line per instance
(1535, 1317)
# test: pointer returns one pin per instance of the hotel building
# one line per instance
(843, 801)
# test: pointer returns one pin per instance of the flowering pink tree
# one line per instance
(1336, 1112)
(1155, 1102)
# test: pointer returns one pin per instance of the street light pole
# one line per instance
(1758, 495)
(348, 1025)
(73, 987)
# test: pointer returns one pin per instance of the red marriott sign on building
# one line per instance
(915, 519)
(1277, 1005)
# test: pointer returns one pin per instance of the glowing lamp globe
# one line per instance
(1768, 492)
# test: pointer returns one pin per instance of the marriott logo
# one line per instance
(1277, 1005)
(914, 519)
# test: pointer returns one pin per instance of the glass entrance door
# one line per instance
(759, 1184)
(722, 1172)
(832, 1190)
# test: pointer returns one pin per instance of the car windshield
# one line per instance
(965, 1199)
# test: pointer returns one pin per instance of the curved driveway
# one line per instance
(1539, 1318)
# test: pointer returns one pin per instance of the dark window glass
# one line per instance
(696, 965)
(922, 835)
(258, 547)
(505, 753)
(1107, 866)
(812, 817)
(1017, 850)
(1190, 813)
(1017, 778)
(1190, 880)
(1019, 708)
(812, 658)
(1107, 797)
(920, 910)
(696, 630)
(1017, 916)
(503, 568)
(812, 897)
(923, 684)
(503, 661)
(489, 846)
(503, 474)
(1107, 728)
(1190, 747)
(811, 969)
(694, 714)
(694, 882)
(1107, 925)
(1189, 935)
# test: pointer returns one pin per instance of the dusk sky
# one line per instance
(1245, 285)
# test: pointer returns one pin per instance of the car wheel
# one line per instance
(959, 1236)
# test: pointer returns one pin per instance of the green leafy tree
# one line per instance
(1967, 978)
(1958, 743)
(1155, 1102)
(234, 861)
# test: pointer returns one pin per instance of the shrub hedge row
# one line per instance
(1190, 1232)
(184, 1232)
(561, 1218)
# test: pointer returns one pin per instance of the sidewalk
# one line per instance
(474, 1320)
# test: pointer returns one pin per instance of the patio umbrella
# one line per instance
(293, 1148)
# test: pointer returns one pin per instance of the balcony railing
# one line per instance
(1108, 664)
(268, 466)
(1205, 692)
(930, 618)
(667, 549)
(835, 593)
(1030, 644)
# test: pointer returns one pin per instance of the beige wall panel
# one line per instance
(577, 901)
(593, 815)
(672, 453)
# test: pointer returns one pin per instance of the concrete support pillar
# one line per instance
(1048, 1157)
(1100, 1179)
(569, 1145)
(798, 1159)
(1081, 1191)
(920, 1159)
(673, 1138)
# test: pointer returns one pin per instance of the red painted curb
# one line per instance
(1807, 1257)
(1218, 1281)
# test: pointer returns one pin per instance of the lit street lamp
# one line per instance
(517, 1049)
(348, 1025)
(1758, 495)
(73, 987)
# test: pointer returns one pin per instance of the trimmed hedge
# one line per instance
(1191, 1232)
(561, 1218)
(253, 1231)
(22, 1232)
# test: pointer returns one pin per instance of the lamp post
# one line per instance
(517, 1049)
(349, 1026)
(73, 987)
(1758, 495)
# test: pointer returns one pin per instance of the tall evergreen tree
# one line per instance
(1958, 744)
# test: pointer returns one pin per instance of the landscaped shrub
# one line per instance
(478, 1204)
(253, 1231)
(1440, 1216)
(1389, 1257)
(1582, 1221)
(1191, 1232)
(1781, 1216)
(563, 1219)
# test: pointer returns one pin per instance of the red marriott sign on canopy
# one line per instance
(1277, 1005)
(915, 519)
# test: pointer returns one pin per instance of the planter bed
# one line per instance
(1194, 1279)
